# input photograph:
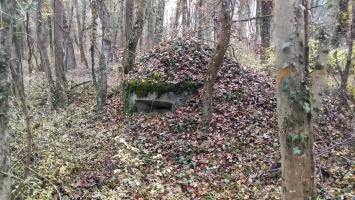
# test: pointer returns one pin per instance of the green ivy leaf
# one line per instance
(306, 107)
(294, 138)
(297, 151)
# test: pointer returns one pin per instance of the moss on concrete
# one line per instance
(144, 87)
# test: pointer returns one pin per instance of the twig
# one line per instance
(11, 175)
(252, 18)
(79, 84)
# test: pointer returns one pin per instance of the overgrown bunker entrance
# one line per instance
(156, 96)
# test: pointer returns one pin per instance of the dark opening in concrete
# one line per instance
(144, 105)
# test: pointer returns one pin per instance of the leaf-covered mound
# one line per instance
(174, 61)
(239, 156)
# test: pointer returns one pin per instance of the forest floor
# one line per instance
(79, 154)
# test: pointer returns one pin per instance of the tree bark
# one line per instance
(217, 60)
(199, 10)
(150, 25)
(293, 101)
(158, 33)
(43, 52)
(345, 73)
(5, 158)
(81, 29)
(177, 14)
(342, 25)
(70, 61)
(94, 16)
(129, 19)
(184, 22)
(104, 57)
(50, 33)
(265, 26)
(327, 25)
(61, 81)
(129, 54)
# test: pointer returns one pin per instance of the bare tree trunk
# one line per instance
(199, 10)
(29, 43)
(129, 54)
(177, 14)
(265, 26)
(345, 73)
(293, 101)
(129, 18)
(184, 10)
(81, 30)
(148, 29)
(50, 33)
(104, 57)
(16, 67)
(5, 159)
(70, 61)
(158, 33)
(43, 52)
(217, 59)
(94, 16)
(327, 25)
(61, 81)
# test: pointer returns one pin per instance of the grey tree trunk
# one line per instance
(184, 22)
(265, 26)
(129, 7)
(104, 56)
(94, 16)
(199, 10)
(50, 33)
(129, 54)
(217, 59)
(158, 33)
(150, 18)
(293, 101)
(70, 61)
(61, 81)
(327, 24)
(177, 14)
(81, 23)
(43, 49)
(5, 38)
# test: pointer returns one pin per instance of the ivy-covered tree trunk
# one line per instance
(129, 54)
(5, 38)
(293, 101)
(217, 59)
(346, 72)
(61, 81)
(104, 56)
